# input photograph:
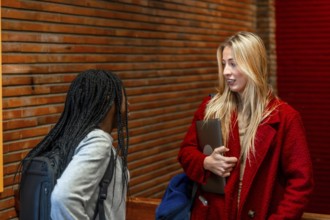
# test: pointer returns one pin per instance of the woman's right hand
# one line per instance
(219, 164)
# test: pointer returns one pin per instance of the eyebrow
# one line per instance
(231, 59)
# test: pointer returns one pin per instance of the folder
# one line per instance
(210, 137)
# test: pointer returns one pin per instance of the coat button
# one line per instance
(251, 213)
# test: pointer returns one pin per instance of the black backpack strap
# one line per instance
(104, 184)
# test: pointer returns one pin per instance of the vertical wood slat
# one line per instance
(165, 52)
(1, 128)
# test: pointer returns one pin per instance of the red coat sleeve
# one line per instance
(190, 156)
(296, 166)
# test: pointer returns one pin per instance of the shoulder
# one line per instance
(98, 134)
(96, 140)
(201, 109)
(286, 110)
(282, 112)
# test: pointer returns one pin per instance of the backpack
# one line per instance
(39, 175)
(177, 201)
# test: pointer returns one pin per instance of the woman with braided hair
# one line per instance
(95, 104)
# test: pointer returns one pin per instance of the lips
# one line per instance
(230, 81)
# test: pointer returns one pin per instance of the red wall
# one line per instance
(303, 71)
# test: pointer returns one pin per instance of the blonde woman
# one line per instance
(265, 158)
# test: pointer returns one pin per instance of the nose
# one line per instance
(226, 70)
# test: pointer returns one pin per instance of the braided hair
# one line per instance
(89, 98)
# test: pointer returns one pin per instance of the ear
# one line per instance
(108, 123)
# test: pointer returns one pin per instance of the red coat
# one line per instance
(276, 183)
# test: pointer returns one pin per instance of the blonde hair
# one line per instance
(250, 56)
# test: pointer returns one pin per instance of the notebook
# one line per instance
(210, 137)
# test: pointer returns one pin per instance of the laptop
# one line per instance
(210, 137)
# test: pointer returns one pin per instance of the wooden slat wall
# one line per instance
(1, 149)
(163, 50)
(303, 52)
(266, 30)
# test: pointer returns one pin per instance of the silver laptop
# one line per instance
(210, 137)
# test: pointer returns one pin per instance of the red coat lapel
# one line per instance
(231, 189)
(265, 135)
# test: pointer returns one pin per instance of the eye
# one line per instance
(232, 64)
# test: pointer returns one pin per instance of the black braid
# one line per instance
(89, 98)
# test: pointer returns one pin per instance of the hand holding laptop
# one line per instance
(210, 139)
(219, 164)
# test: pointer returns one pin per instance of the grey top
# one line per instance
(76, 192)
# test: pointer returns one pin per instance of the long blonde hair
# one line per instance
(250, 56)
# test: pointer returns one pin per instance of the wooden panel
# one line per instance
(303, 51)
(165, 52)
(1, 124)
(141, 208)
(145, 208)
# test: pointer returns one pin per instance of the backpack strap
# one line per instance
(104, 184)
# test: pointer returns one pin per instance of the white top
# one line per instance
(76, 192)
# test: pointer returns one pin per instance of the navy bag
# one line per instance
(37, 183)
(177, 200)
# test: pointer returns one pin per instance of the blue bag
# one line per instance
(177, 200)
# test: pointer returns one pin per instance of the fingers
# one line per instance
(224, 172)
(226, 169)
(221, 150)
(230, 159)
(219, 164)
